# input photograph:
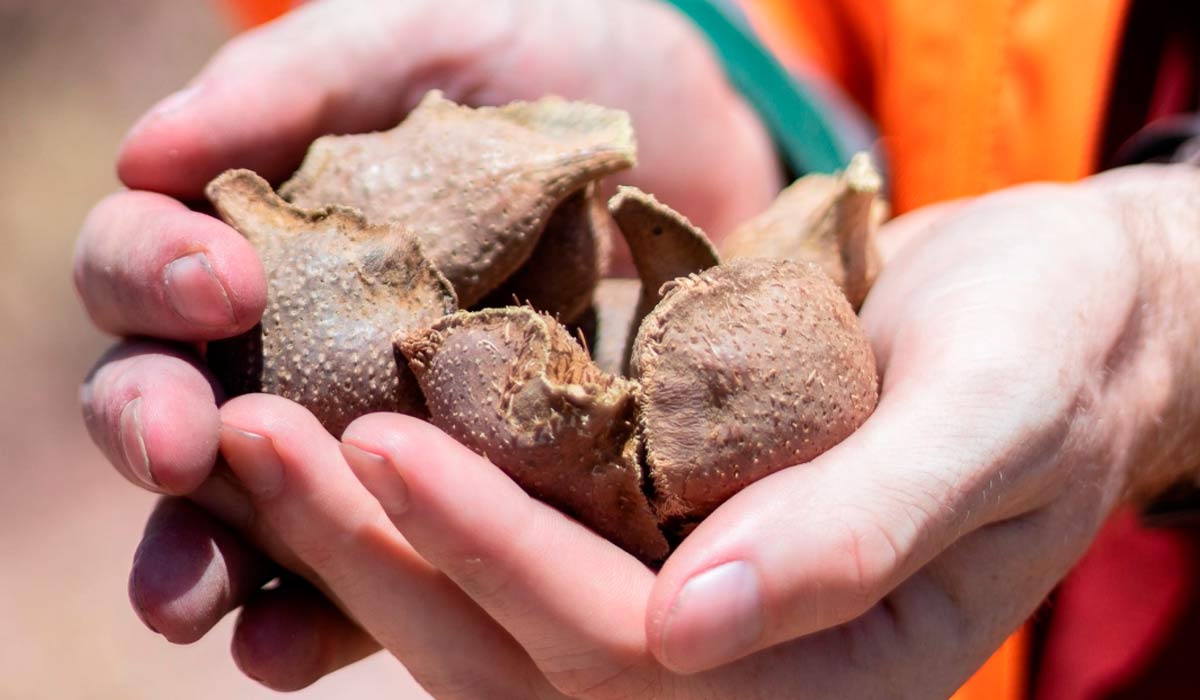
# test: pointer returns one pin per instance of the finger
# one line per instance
(936, 628)
(263, 98)
(190, 570)
(575, 601)
(858, 520)
(298, 479)
(941, 625)
(147, 265)
(291, 636)
(152, 411)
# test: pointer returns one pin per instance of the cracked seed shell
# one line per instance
(512, 385)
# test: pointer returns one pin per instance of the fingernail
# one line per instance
(254, 460)
(715, 618)
(195, 293)
(133, 443)
(379, 477)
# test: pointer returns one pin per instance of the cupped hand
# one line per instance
(1036, 356)
(148, 267)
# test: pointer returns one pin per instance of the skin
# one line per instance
(1028, 375)
(1036, 349)
(151, 406)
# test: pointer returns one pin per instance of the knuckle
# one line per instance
(483, 577)
(594, 676)
(867, 557)
(110, 270)
(486, 569)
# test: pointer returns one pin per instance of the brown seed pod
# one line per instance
(828, 220)
(745, 369)
(512, 385)
(663, 243)
(568, 262)
(477, 186)
(337, 290)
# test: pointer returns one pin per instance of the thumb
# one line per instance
(328, 67)
(819, 544)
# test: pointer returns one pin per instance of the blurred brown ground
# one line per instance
(74, 74)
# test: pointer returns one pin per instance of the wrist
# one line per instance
(1158, 367)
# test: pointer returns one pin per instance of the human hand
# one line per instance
(1037, 354)
(146, 266)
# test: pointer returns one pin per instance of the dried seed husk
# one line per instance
(571, 257)
(664, 245)
(512, 385)
(477, 186)
(745, 369)
(828, 220)
(337, 288)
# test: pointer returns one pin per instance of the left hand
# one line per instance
(1038, 367)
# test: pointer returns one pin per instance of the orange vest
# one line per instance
(249, 13)
(970, 96)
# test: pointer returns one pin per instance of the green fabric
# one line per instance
(806, 139)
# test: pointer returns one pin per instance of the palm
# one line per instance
(879, 571)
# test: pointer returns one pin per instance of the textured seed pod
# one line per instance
(663, 243)
(477, 186)
(745, 369)
(568, 262)
(512, 385)
(828, 220)
(337, 290)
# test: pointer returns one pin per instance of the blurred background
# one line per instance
(74, 74)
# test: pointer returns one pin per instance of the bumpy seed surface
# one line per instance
(745, 369)
(570, 259)
(337, 290)
(477, 186)
(512, 385)
(827, 220)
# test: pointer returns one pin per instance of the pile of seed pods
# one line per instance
(453, 268)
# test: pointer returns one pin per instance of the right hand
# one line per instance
(148, 267)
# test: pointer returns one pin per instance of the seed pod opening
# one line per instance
(477, 186)
(337, 289)
(512, 385)
(745, 369)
